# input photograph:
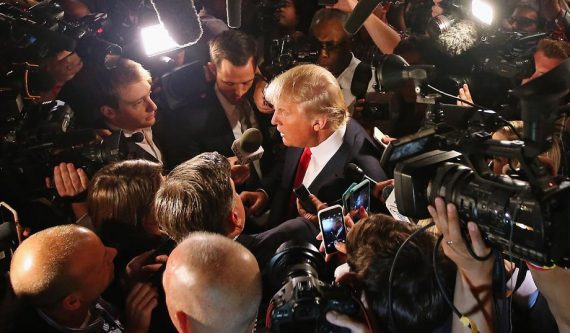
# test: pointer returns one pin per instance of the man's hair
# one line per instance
(329, 14)
(314, 88)
(196, 196)
(554, 49)
(47, 279)
(123, 192)
(109, 81)
(234, 46)
(214, 280)
(418, 303)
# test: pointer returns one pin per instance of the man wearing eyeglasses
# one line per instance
(334, 45)
(525, 18)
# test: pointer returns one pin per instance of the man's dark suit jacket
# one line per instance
(204, 127)
(330, 184)
(264, 244)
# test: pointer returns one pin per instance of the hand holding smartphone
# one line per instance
(331, 221)
(303, 194)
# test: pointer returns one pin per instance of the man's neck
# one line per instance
(71, 319)
(322, 136)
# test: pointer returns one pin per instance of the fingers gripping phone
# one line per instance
(331, 221)
(303, 194)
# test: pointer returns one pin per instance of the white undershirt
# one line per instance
(321, 154)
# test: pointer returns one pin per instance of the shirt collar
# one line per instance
(326, 149)
(147, 132)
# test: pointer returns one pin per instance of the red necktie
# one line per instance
(299, 175)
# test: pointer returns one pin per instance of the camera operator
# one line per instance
(334, 45)
(59, 275)
(212, 284)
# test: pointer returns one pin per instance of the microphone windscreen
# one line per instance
(181, 20)
(460, 37)
(251, 140)
(361, 11)
(233, 12)
(353, 172)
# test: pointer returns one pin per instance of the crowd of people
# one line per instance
(179, 234)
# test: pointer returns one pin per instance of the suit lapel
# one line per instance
(290, 165)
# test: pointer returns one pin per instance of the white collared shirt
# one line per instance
(321, 154)
(345, 82)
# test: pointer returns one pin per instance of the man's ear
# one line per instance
(233, 218)
(71, 302)
(108, 112)
(319, 123)
(210, 72)
(182, 322)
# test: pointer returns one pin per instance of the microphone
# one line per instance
(233, 12)
(361, 11)
(458, 38)
(181, 20)
(356, 174)
(248, 148)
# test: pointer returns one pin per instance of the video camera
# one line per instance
(285, 53)
(524, 215)
(303, 300)
(44, 29)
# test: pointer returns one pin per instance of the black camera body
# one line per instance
(508, 54)
(44, 29)
(285, 53)
(302, 300)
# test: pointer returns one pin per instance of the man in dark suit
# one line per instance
(224, 112)
(312, 118)
(199, 195)
(123, 100)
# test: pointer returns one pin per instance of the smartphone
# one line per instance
(359, 197)
(303, 194)
(331, 221)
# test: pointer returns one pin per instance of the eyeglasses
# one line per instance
(328, 46)
(521, 22)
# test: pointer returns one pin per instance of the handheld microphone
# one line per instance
(248, 148)
(233, 12)
(356, 174)
(361, 11)
(181, 20)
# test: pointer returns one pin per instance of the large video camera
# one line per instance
(303, 300)
(284, 53)
(44, 29)
(34, 137)
(524, 215)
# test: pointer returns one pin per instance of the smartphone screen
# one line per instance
(332, 225)
(360, 197)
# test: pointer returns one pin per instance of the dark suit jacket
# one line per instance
(204, 127)
(330, 184)
(264, 245)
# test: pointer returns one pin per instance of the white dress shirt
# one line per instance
(321, 154)
(345, 82)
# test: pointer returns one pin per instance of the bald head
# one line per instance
(212, 284)
(61, 261)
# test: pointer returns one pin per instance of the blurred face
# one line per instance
(542, 64)
(95, 266)
(234, 81)
(524, 20)
(436, 9)
(288, 15)
(332, 42)
(135, 110)
(294, 125)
